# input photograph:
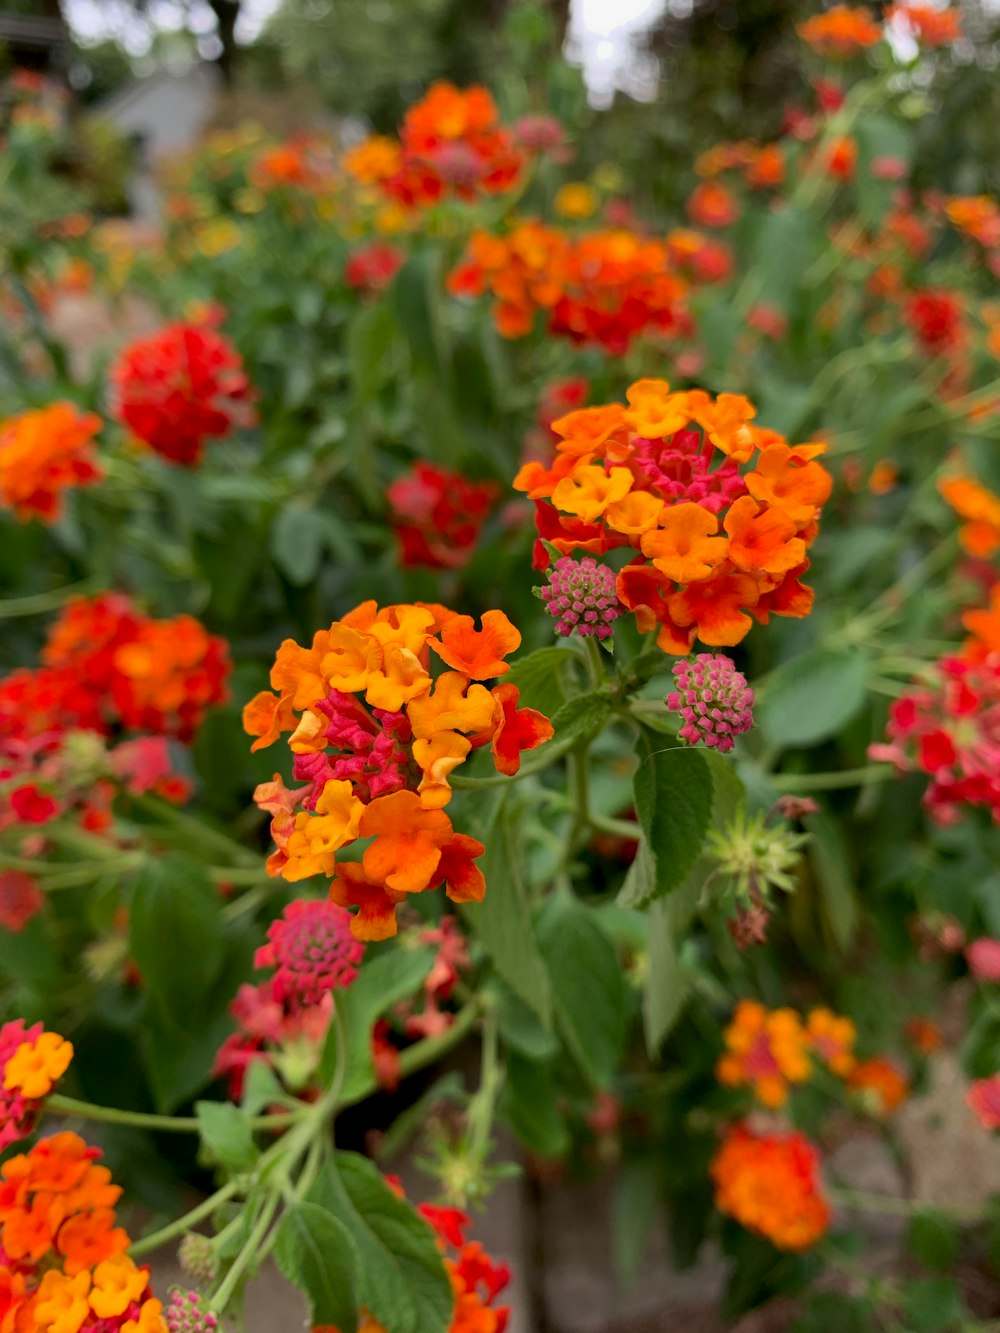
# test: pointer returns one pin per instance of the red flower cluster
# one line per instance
(44, 453)
(936, 320)
(372, 267)
(144, 674)
(451, 143)
(106, 669)
(179, 388)
(284, 1020)
(437, 515)
(950, 730)
(602, 287)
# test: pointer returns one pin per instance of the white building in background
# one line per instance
(165, 113)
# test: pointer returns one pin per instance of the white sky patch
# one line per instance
(604, 36)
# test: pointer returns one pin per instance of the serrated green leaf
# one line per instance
(400, 1276)
(540, 676)
(587, 988)
(313, 1250)
(582, 716)
(673, 794)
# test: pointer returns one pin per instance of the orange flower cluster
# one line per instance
(770, 1184)
(763, 166)
(983, 625)
(375, 736)
(841, 32)
(63, 1265)
(44, 453)
(929, 26)
(882, 1086)
(144, 674)
(980, 533)
(601, 287)
(978, 216)
(770, 1049)
(714, 547)
(450, 142)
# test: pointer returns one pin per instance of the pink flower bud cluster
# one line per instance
(184, 1314)
(714, 700)
(313, 950)
(581, 597)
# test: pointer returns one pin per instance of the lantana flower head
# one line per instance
(767, 1050)
(382, 707)
(313, 950)
(715, 513)
(44, 453)
(451, 143)
(980, 508)
(841, 32)
(714, 700)
(928, 24)
(950, 730)
(602, 287)
(32, 1061)
(179, 388)
(437, 515)
(983, 1099)
(63, 1262)
(770, 1184)
(879, 1085)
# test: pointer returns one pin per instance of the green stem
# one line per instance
(40, 602)
(169, 1124)
(247, 1255)
(850, 777)
(194, 830)
(893, 1206)
(157, 1238)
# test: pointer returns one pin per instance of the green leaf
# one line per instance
(314, 1252)
(934, 1305)
(369, 342)
(582, 716)
(298, 538)
(587, 986)
(529, 1104)
(933, 1239)
(382, 982)
(520, 1027)
(673, 794)
(541, 678)
(227, 1134)
(176, 934)
(400, 1278)
(783, 248)
(261, 1088)
(831, 868)
(634, 1208)
(813, 696)
(502, 921)
(668, 981)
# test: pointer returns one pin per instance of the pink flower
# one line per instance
(983, 957)
(983, 1098)
(20, 899)
(714, 700)
(313, 950)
